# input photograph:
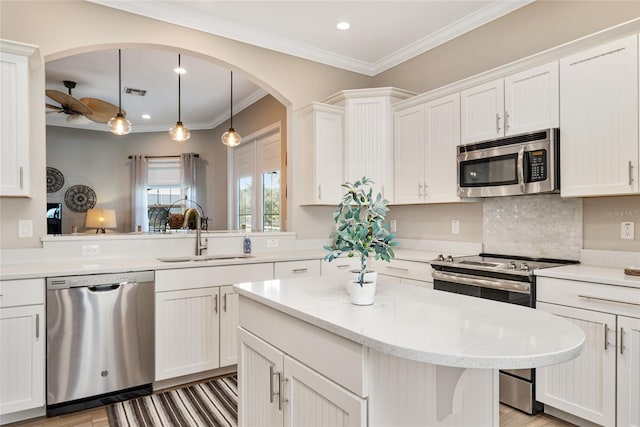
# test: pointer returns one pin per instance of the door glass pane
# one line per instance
(244, 202)
(271, 201)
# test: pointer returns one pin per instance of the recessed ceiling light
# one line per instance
(146, 116)
(343, 26)
(180, 70)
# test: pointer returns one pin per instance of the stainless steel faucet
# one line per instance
(199, 246)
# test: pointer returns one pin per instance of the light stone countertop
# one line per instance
(425, 325)
(115, 265)
(590, 273)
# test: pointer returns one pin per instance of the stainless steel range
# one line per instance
(502, 278)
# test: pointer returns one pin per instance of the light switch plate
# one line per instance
(273, 243)
(25, 228)
(455, 226)
(393, 226)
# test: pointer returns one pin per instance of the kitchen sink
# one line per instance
(188, 258)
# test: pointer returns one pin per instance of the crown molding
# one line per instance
(167, 12)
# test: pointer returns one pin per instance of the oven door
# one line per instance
(509, 291)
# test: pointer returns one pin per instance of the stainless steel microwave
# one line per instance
(527, 163)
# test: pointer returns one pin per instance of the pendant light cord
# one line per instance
(231, 102)
(179, 88)
(119, 81)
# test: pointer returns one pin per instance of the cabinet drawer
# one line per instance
(21, 292)
(204, 277)
(286, 269)
(404, 269)
(339, 267)
(593, 296)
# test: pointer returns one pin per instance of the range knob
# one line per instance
(440, 257)
(449, 258)
(512, 265)
(524, 266)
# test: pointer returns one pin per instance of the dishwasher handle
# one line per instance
(105, 288)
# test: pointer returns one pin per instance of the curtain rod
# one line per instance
(163, 157)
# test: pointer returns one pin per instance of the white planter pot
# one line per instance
(369, 276)
(362, 295)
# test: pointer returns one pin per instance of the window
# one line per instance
(163, 191)
(244, 202)
(257, 172)
(271, 201)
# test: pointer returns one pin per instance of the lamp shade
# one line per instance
(101, 219)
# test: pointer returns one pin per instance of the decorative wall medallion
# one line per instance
(80, 198)
(55, 180)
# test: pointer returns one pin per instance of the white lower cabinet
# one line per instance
(277, 390)
(404, 272)
(602, 385)
(585, 386)
(187, 332)
(629, 372)
(196, 317)
(228, 326)
(22, 347)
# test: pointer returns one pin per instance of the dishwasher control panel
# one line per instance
(99, 279)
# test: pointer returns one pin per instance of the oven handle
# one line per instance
(468, 279)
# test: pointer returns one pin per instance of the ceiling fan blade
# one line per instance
(68, 102)
(103, 111)
(53, 108)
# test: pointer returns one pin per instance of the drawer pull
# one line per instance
(300, 270)
(406, 270)
(337, 266)
(608, 300)
(621, 344)
(606, 333)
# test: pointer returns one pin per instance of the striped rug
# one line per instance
(213, 403)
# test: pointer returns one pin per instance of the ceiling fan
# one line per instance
(93, 109)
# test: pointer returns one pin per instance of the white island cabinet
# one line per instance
(416, 357)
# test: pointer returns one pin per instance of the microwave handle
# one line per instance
(523, 188)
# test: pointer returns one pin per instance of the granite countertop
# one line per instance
(426, 325)
(591, 273)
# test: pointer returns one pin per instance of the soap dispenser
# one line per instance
(246, 245)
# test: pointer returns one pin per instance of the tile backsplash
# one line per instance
(534, 225)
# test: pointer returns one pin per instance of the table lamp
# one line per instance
(101, 219)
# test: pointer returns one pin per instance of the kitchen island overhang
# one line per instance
(452, 343)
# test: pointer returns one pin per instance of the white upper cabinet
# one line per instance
(321, 133)
(14, 118)
(522, 102)
(482, 112)
(410, 155)
(426, 137)
(599, 120)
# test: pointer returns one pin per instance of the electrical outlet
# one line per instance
(455, 226)
(627, 230)
(273, 243)
(393, 225)
(90, 250)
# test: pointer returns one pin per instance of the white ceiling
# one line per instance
(382, 35)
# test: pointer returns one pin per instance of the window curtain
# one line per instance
(139, 200)
(189, 176)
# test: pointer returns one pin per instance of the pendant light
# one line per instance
(231, 138)
(179, 132)
(119, 124)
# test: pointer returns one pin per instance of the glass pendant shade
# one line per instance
(119, 125)
(231, 138)
(179, 132)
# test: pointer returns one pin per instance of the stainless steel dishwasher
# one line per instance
(100, 332)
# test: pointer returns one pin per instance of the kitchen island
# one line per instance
(415, 357)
